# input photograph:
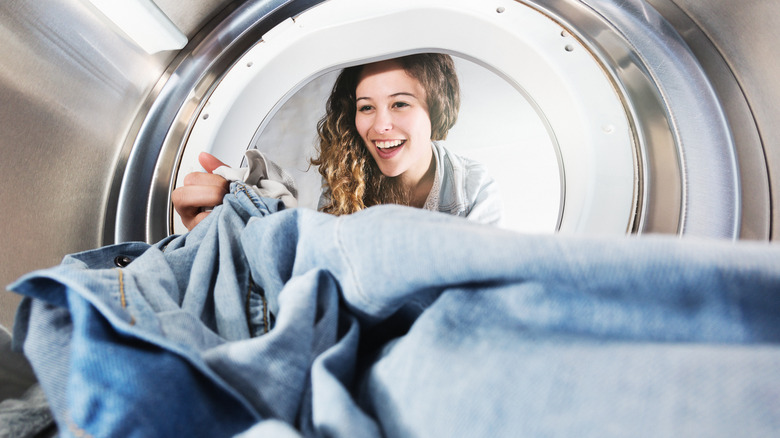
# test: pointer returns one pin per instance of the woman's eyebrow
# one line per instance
(400, 93)
(404, 93)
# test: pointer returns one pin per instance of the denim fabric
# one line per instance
(403, 322)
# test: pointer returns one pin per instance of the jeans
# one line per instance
(402, 322)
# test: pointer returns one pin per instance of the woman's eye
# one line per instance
(400, 104)
(364, 108)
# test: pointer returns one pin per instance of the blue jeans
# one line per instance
(402, 322)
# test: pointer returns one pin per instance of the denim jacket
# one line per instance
(398, 322)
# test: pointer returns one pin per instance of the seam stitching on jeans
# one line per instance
(122, 297)
(243, 188)
(266, 327)
(266, 321)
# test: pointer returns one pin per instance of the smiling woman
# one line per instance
(375, 141)
(394, 121)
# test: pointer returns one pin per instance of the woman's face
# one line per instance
(392, 118)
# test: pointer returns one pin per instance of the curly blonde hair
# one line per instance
(352, 179)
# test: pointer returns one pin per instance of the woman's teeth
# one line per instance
(388, 143)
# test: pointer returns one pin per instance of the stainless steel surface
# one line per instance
(686, 165)
(84, 117)
(70, 88)
(736, 43)
(706, 153)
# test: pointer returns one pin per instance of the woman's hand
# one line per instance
(200, 193)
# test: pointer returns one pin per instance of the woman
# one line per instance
(378, 146)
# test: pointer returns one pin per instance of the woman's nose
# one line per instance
(383, 122)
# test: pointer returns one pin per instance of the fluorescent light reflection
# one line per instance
(144, 23)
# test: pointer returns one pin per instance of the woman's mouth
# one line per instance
(387, 144)
(388, 148)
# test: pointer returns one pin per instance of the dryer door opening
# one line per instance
(614, 110)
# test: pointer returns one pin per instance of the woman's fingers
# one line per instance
(200, 193)
(209, 162)
(206, 179)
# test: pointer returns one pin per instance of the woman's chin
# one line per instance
(391, 174)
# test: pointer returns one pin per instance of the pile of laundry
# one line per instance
(273, 321)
